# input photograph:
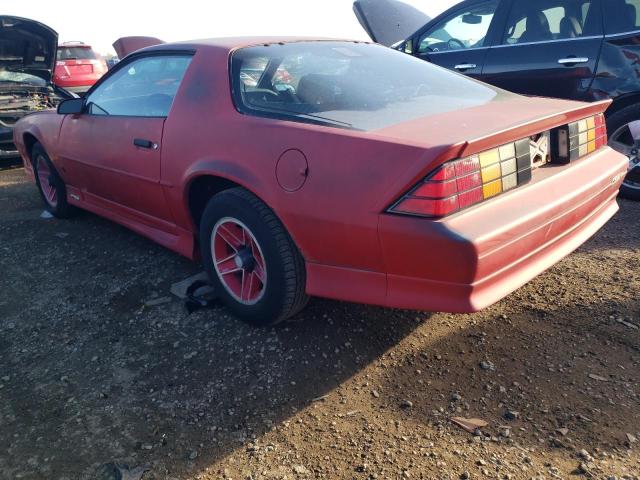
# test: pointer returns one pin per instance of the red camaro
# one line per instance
(365, 175)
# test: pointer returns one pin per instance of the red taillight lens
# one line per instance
(462, 183)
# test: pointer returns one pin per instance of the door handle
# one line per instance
(572, 60)
(465, 66)
(142, 143)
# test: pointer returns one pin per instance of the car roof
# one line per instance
(234, 43)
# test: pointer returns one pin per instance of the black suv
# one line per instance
(574, 49)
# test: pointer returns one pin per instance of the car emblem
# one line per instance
(539, 148)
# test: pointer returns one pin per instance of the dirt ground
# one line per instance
(99, 365)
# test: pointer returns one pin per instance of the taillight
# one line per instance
(579, 138)
(462, 183)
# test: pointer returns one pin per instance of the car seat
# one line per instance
(570, 27)
(538, 29)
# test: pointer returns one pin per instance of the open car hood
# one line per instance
(126, 45)
(389, 21)
(27, 46)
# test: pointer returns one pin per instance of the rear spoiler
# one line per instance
(126, 45)
(572, 114)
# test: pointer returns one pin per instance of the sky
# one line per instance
(100, 23)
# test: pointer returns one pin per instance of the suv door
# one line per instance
(113, 148)
(460, 40)
(548, 48)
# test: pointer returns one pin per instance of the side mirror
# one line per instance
(72, 106)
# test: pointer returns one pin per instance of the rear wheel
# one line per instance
(252, 262)
(624, 136)
(51, 186)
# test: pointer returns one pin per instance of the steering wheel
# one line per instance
(453, 41)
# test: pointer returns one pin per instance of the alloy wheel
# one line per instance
(46, 180)
(626, 140)
(238, 261)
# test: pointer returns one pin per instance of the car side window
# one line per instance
(143, 88)
(547, 20)
(622, 16)
(466, 29)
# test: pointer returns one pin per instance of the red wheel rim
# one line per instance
(46, 184)
(238, 261)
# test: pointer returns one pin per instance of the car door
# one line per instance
(548, 48)
(111, 152)
(460, 40)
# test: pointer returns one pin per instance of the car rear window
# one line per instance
(347, 84)
(76, 53)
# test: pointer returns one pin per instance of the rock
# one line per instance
(193, 455)
(375, 393)
(487, 365)
(511, 415)
(406, 404)
(114, 471)
(628, 324)
(562, 431)
(456, 397)
(505, 432)
(465, 476)
(584, 455)
(300, 469)
(146, 446)
(631, 439)
(481, 462)
(599, 378)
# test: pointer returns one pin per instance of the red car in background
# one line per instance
(368, 176)
(78, 67)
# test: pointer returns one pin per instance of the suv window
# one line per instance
(466, 29)
(623, 16)
(546, 20)
(143, 88)
(76, 53)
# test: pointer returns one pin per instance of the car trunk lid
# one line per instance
(126, 45)
(388, 21)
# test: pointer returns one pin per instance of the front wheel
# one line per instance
(624, 136)
(252, 262)
(51, 186)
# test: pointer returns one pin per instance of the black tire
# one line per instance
(630, 189)
(284, 293)
(40, 160)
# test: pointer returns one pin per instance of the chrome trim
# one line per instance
(572, 60)
(454, 51)
(623, 34)
(465, 66)
(591, 37)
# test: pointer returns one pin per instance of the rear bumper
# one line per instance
(471, 260)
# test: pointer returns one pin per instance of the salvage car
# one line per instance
(27, 59)
(574, 49)
(78, 67)
(366, 175)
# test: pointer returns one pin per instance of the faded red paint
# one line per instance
(353, 250)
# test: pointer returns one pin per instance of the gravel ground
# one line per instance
(100, 369)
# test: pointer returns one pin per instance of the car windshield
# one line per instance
(21, 78)
(76, 53)
(347, 84)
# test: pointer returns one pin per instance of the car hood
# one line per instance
(389, 21)
(27, 46)
(126, 45)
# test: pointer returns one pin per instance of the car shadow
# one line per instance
(101, 364)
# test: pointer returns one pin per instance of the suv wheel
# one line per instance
(624, 136)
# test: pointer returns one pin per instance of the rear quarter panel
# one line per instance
(333, 218)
